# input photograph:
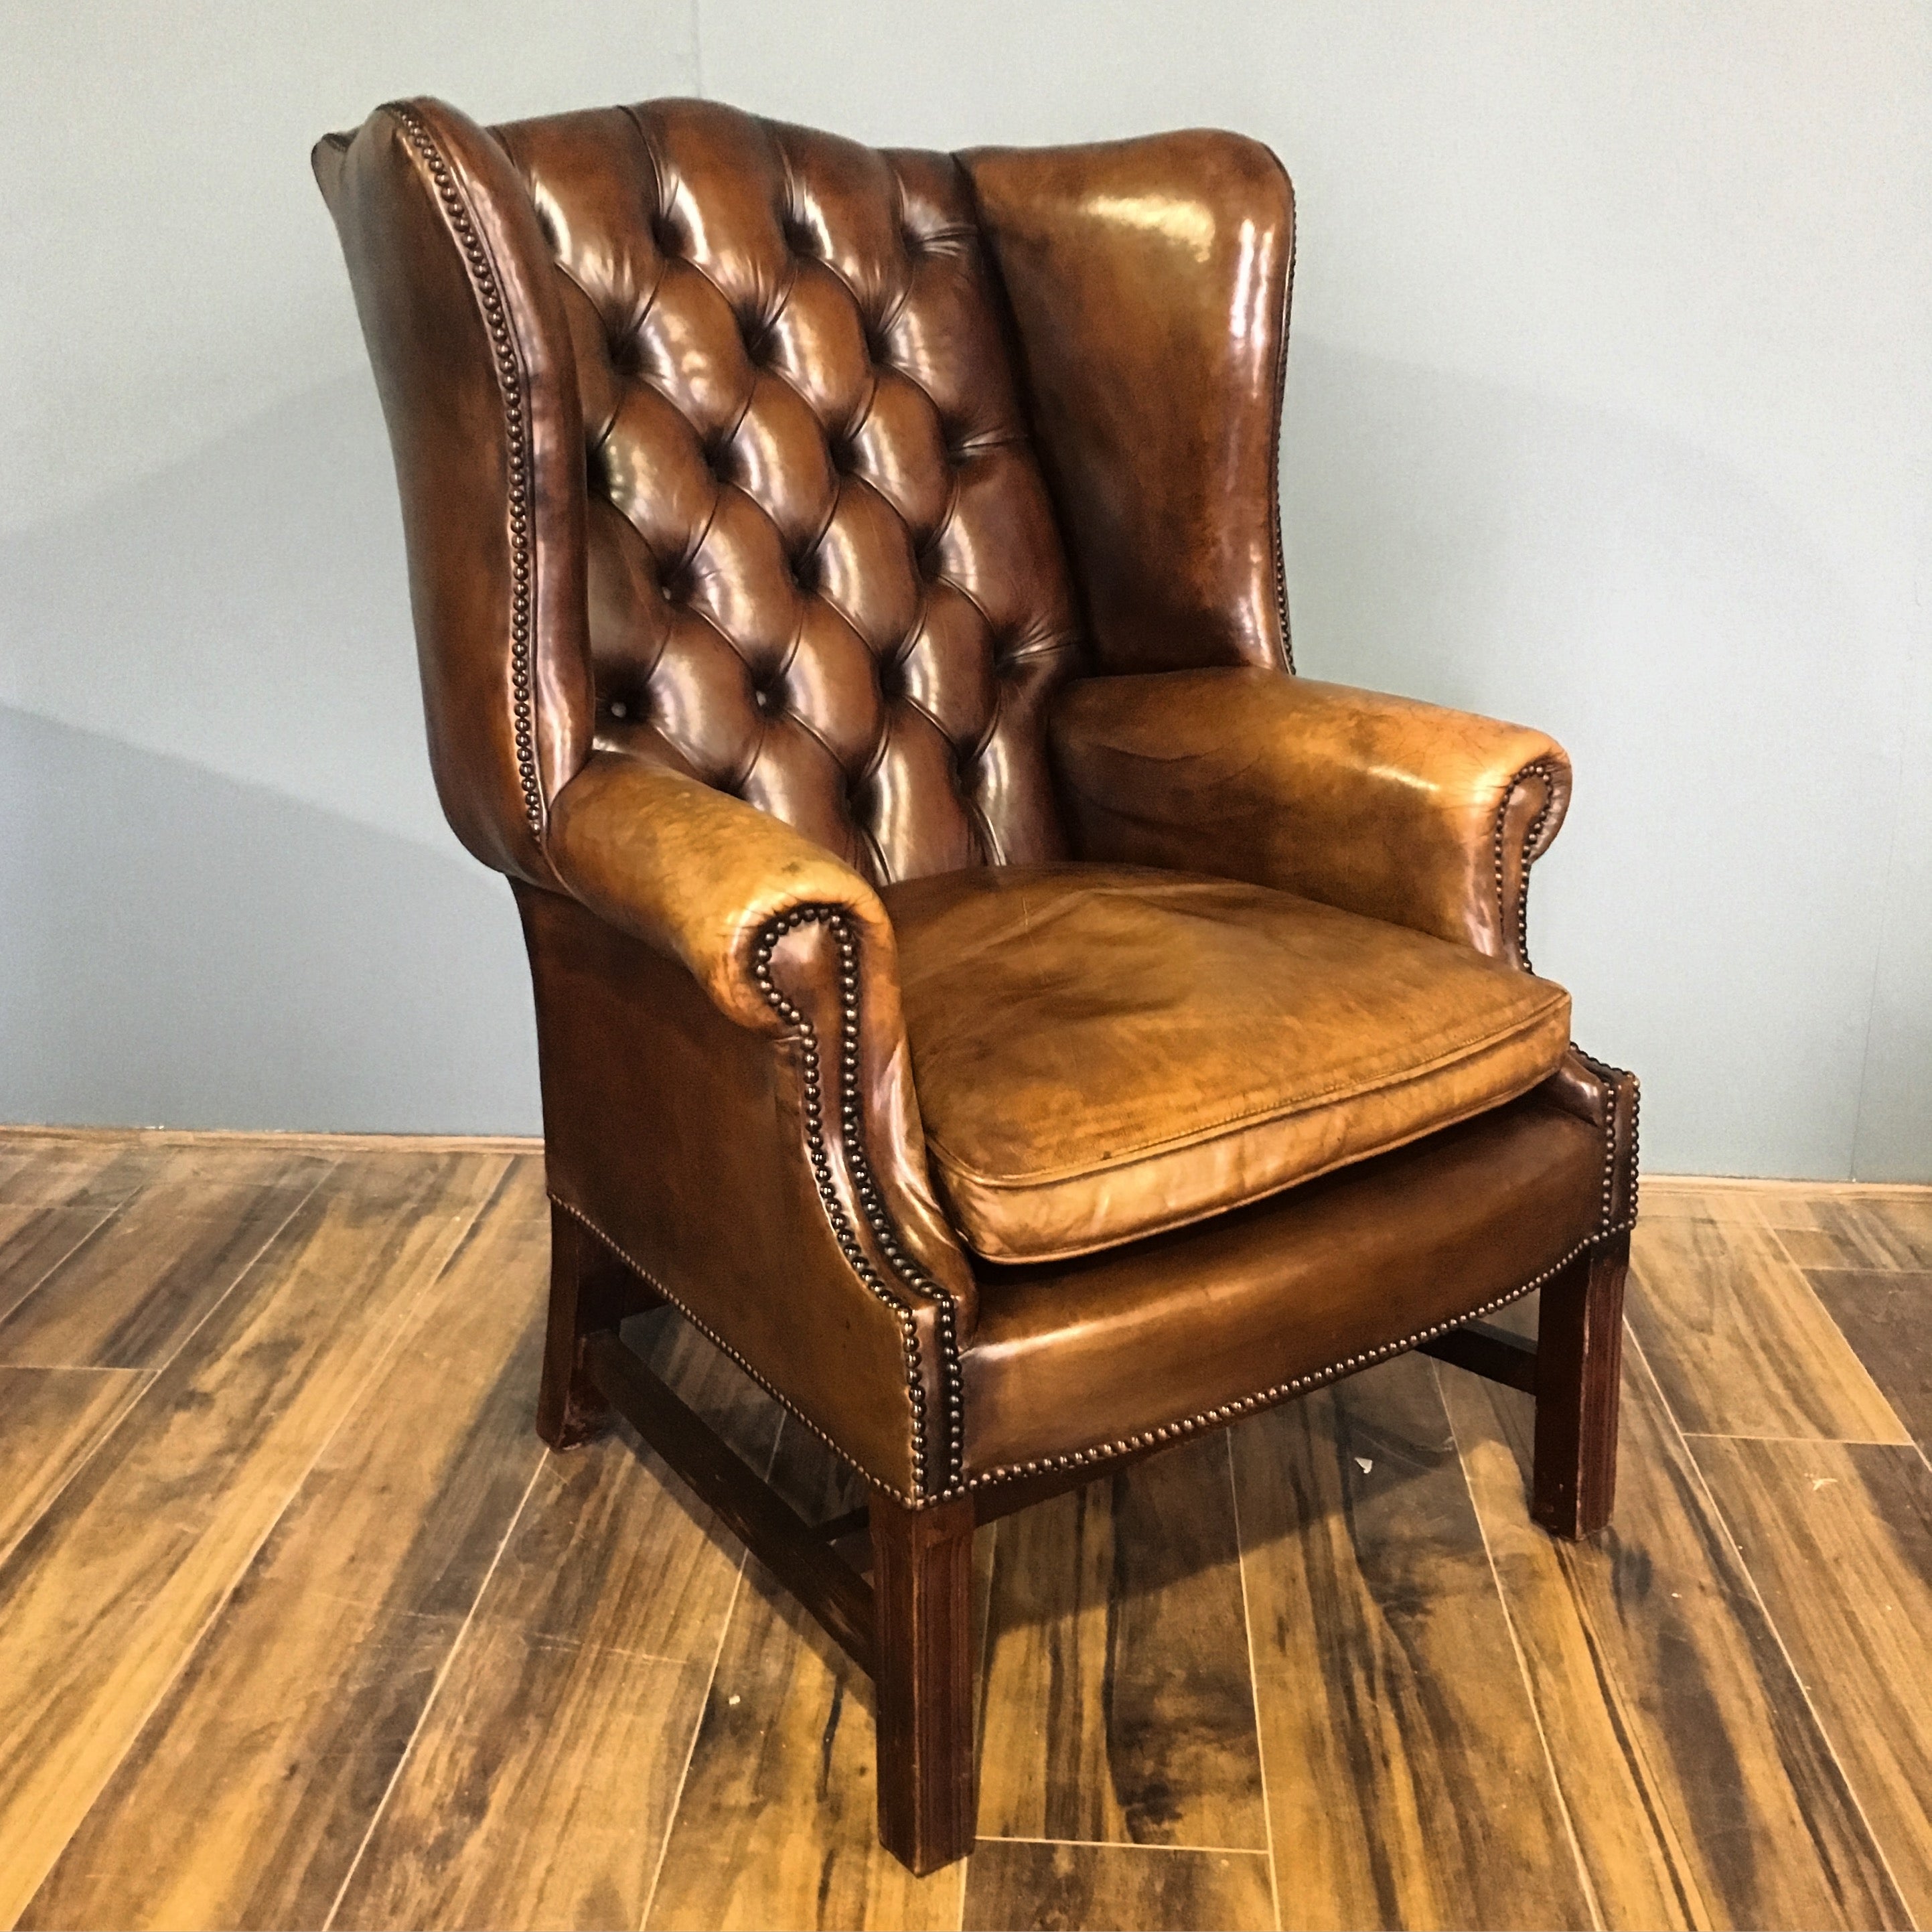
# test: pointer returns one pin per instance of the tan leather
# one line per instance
(763, 492)
(1411, 813)
(1090, 1356)
(1238, 1040)
(1150, 282)
(682, 1138)
(701, 875)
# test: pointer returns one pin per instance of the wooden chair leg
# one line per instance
(923, 1595)
(1578, 1370)
(590, 1291)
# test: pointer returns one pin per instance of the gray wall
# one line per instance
(1609, 408)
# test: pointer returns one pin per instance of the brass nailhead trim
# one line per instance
(1274, 443)
(1537, 769)
(871, 1202)
(1173, 1432)
(516, 425)
(717, 1341)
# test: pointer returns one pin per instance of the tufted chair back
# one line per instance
(786, 531)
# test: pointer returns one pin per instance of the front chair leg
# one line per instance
(923, 1674)
(1578, 1371)
(590, 1291)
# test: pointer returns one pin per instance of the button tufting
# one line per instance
(664, 233)
(619, 709)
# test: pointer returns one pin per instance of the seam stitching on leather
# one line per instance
(871, 1202)
(1537, 768)
(511, 386)
(717, 1341)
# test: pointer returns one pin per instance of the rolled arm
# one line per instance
(758, 915)
(1407, 812)
(703, 876)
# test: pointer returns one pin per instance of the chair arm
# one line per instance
(1407, 812)
(703, 876)
(758, 915)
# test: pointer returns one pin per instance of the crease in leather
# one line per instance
(1235, 1041)
(1235, 1124)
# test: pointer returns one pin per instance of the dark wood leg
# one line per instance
(1579, 1347)
(922, 1598)
(590, 1291)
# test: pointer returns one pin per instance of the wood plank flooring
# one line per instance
(301, 1626)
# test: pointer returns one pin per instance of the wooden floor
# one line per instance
(300, 1625)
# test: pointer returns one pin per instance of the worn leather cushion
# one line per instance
(1102, 1052)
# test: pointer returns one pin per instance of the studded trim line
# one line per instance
(909, 1275)
(1100, 1452)
(1539, 770)
(513, 388)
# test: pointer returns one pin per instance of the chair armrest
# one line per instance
(735, 895)
(1407, 812)
(703, 876)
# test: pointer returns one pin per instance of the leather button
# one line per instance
(799, 235)
(805, 571)
(619, 709)
(664, 233)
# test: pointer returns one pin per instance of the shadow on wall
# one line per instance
(178, 949)
(245, 608)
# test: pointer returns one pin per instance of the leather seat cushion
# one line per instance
(1103, 1052)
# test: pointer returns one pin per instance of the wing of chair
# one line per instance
(978, 984)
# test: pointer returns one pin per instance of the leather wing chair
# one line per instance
(978, 984)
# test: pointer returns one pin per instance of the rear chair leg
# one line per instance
(1579, 1368)
(590, 1291)
(922, 1596)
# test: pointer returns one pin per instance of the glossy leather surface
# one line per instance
(1077, 1357)
(823, 574)
(1238, 1041)
(1149, 281)
(1410, 813)
(762, 492)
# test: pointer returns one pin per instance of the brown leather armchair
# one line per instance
(977, 983)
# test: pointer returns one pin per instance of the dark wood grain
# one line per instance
(1579, 1347)
(125, 1297)
(816, 1575)
(1117, 1706)
(1700, 1785)
(1092, 1888)
(1838, 1538)
(541, 1783)
(1385, 1670)
(922, 1679)
(245, 1796)
(104, 1599)
(50, 1419)
(1886, 1316)
(778, 1824)
(1740, 1344)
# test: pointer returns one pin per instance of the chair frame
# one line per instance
(902, 1611)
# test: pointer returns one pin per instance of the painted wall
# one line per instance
(1609, 408)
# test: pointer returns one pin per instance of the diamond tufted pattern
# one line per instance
(823, 574)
